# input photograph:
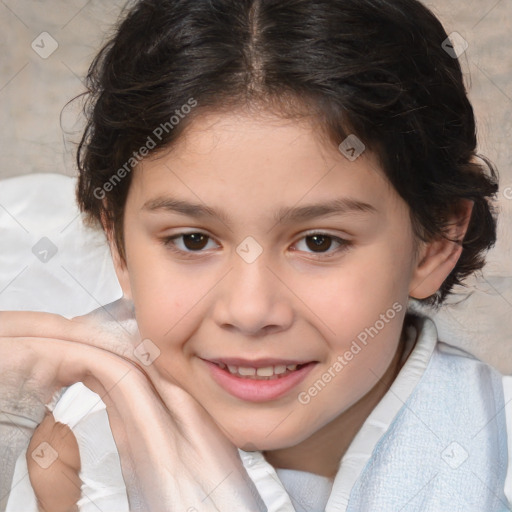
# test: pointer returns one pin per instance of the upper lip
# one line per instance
(256, 363)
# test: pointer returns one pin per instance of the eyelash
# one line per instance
(168, 242)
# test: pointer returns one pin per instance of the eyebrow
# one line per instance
(338, 206)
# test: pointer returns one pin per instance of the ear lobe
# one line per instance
(438, 258)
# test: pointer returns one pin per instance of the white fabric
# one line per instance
(101, 474)
(78, 278)
(311, 491)
(507, 389)
(96, 444)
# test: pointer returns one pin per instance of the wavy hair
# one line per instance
(373, 68)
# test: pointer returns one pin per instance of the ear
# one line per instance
(120, 266)
(436, 259)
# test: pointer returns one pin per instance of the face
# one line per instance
(234, 282)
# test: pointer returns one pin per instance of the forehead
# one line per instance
(246, 162)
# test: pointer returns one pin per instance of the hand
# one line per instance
(173, 456)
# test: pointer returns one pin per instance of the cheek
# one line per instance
(359, 309)
(162, 294)
(348, 297)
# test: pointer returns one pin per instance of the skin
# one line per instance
(172, 454)
(57, 490)
(292, 302)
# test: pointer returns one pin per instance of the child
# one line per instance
(281, 183)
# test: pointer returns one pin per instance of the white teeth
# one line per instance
(246, 371)
(266, 371)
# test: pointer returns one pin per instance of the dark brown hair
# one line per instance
(374, 68)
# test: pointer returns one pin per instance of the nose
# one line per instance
(253, 299)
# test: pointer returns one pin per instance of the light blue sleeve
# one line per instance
(507, 392)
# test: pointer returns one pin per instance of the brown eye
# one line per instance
(187, 243)
(319, 242)
(195, 241)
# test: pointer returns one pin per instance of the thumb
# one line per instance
(53, 461)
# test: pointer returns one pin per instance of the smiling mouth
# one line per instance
(262, 373)
(259, 380)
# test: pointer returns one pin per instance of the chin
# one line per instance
(251, 441)
(260, 431)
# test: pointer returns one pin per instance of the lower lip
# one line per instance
(253, 390)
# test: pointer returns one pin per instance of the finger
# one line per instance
(42, 366)
(85, 330)
(31, 323)
(53, 461)
(28, 324)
